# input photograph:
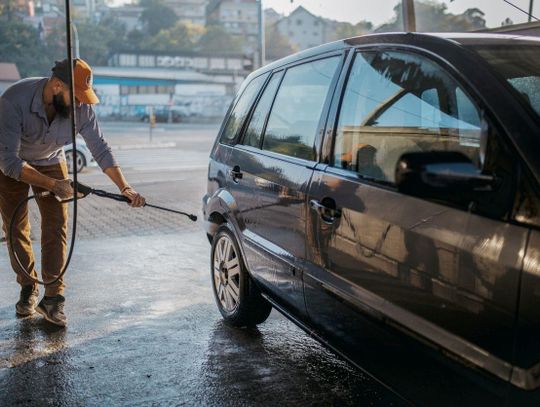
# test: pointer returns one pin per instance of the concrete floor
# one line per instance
(143, 325)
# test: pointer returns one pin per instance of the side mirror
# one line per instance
(441, 175)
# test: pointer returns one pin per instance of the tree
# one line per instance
(156, 16)
(99, 41)
(348, 30)
(181, 37)
(21, 45)
(216, 39)
(277, 46)
(433, 16)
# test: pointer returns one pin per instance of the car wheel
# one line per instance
(81, 161)
(237, 297)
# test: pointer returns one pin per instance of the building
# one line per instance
(271, 16)
(240, 18)
(530, 29)
(84, 9)
(189, 11)
(128, 15)
(9, 74)
(302, 28)
(188, 84)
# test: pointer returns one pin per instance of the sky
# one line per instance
(380, 11)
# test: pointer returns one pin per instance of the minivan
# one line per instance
(382, 192)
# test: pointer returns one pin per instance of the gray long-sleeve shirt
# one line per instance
(27, 136)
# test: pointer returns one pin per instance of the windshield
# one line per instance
(520, 66)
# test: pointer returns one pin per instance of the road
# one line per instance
(143, 325)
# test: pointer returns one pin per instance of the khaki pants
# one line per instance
(54, 217)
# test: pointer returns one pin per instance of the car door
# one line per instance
(443, 271)
(240, 189)
(276, 159)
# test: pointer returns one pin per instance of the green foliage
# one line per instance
(433, 16)
(277, 46)
(98, 41)
(181, 37)
(156, 16)
(348, 30)
(21, 45)
(216, 39)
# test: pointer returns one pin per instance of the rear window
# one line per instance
(241, 109)
(294, 119)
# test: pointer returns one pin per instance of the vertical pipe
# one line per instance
(262, 51)
(76, 38)
(69, 25)
(531, 5)
(409, 18)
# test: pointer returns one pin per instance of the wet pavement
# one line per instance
(144, 328)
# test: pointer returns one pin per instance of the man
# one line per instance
(35, 124)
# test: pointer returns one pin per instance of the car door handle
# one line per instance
(235, 173)
(328, 214)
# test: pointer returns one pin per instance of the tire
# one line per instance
(238, 298)
(81, 161)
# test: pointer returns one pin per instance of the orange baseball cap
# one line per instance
(82, 77)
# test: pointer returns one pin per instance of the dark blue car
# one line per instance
(383, 192)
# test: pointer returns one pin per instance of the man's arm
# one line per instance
(101, 152)
(60, 187)
(116, 176)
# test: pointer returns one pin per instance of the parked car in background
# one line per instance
(83, 156)
(383, 192)
(177, 114)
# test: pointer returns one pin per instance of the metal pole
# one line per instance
(75, 46)
(262, 52)
(531, 3)
(76, 38)
(409, 18)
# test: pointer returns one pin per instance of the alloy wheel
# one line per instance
(226, 269)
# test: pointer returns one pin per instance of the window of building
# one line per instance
(398, 102)
(147, 60)
(298, 22)
(127, 60)
(296, 113)
(241, 109)
(256, 124)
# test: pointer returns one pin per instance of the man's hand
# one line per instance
(137, 200)
(62, 189)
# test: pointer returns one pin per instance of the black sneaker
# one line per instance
(27, 300)
(52, 309)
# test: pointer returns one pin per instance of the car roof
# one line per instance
(418, 39)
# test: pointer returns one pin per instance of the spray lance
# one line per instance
(82, 191)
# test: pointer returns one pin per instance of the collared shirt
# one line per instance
(27, 136)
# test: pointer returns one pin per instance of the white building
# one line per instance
(195, 85)
(192, 11)
(240, 18)
(303, 29)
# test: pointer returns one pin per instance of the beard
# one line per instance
(60, 106)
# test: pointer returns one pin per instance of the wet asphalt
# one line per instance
(143, 326)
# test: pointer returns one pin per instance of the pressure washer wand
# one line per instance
(86, 190)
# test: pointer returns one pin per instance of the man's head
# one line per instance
(82, 77)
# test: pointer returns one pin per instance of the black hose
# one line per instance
(74, 142)
(14, 253)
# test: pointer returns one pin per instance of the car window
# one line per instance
(399, 102)
(295, 115)
(241, 109)
(256, 124)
